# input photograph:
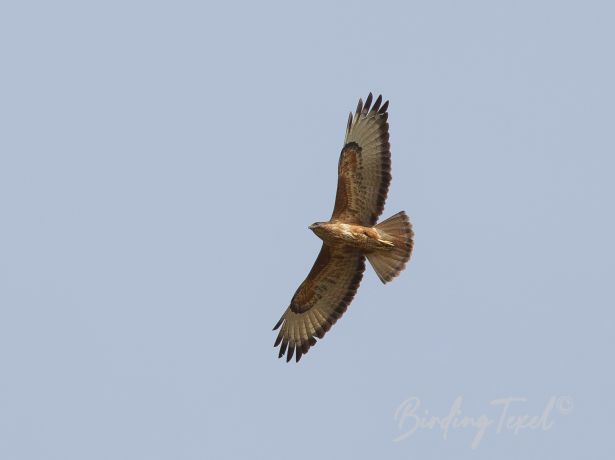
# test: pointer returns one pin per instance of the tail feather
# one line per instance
(389, 262)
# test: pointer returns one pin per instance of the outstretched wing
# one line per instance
(320, 300)
(364, 171)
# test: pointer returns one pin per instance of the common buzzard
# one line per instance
(364, 174)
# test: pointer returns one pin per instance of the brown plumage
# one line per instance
(364, 175)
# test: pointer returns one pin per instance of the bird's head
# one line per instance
(315, 227)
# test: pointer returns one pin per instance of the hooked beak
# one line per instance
(312, 227)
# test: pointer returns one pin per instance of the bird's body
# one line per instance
(351, 235)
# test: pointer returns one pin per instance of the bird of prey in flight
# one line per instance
(351, 235)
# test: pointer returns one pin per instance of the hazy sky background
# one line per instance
(160, 163)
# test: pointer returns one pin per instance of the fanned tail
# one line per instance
(389, 262)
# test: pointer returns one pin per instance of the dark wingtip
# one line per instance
(291, 349)
(278, 324)
(359, 107)
(384, 107)
(278, 339)
(368, 103)
(283, 349)
(376, 106)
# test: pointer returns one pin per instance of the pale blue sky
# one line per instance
(160, 163)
